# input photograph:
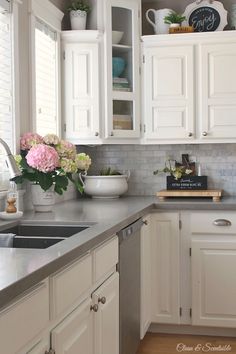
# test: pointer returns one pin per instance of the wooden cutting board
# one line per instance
(215, 194)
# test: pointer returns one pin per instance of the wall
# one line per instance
(218, 162)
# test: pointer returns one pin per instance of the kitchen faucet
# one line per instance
(10, 161)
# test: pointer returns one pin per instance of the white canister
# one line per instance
(160, 27)
(78, 19)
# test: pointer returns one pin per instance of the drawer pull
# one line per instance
(102, 300)
(94, 308)
(222, 222)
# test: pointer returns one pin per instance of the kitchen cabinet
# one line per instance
(81, 88)
(106, 319)
(165, 268)
(40, 348)
(122, 104)
(146, 280)
(213, 263)
(169, 92)
(189, 88)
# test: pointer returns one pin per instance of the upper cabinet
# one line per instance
(81, 94)
(122, 69)
(190, 87)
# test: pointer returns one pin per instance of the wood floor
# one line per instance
(173, 344)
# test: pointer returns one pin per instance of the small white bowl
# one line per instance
(11, 216)
(117, 36)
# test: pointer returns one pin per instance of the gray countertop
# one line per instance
(21, 269)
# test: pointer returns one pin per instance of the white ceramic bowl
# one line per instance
(117, 36)
(105, 186)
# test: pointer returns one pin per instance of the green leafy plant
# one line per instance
(79, 5)
(107, 171)
(177, 171)
(174, 17)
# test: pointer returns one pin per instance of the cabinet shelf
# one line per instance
(120, 48)
(123, 95)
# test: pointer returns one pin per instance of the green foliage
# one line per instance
(107, 171)
(175, 171)
(174, 17)
(79, 5)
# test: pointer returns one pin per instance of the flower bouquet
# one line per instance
(50, 162)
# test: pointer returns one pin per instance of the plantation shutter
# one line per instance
(46, 70)
(6, 86)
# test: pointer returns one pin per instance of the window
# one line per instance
(45, 41)
(6, 86)
(46, 83)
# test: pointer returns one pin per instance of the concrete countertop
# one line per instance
(21, 269)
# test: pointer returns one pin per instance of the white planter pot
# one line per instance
(105, 186)
(78, 20)
(174, 25)
(42, 201)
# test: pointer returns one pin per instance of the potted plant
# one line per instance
(174, 19)
(49, 164)
(108, 183)
(78, 14)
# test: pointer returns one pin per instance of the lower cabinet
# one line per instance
(214, 282)
(41, 348)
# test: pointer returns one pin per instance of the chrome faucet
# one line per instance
(10, 161)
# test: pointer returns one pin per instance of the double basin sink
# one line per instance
(41, 236)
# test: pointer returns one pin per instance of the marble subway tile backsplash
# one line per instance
(218, 162)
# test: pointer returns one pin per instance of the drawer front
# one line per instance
(24, 319)
(105, 258)
(214, 223)
(68, 285)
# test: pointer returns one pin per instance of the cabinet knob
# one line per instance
(102, 300)
(96, 133)
(112, 134)
(222, 222)
(145, 222)
(94, 308)
(190, 134)
(204, 133)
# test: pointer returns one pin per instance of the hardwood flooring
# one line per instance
(173, 344)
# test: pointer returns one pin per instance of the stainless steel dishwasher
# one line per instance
(129, 269)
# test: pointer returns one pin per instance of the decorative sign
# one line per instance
(206, 16)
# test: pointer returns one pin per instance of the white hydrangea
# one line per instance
(83, 161)
(51, 139)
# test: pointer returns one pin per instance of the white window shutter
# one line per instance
(46, 70)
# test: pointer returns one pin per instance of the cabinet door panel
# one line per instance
(41, 347)
(169, 76)
(75, 334)
(214, 283)
(81, 90)
(165, 268)
(218, 93)
(107, 318)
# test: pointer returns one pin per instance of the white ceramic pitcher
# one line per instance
(159, 26)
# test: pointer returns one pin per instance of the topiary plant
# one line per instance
(174, 17)
(79, 5)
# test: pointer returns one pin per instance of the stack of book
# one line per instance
(121, 84)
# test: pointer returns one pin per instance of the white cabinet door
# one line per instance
(214, 282)
(165, 268)
(41, 348)
(106, 325)
(74, 335)
(122, 104)
(218, 91)
(146, 281)
(81, 91)
(169, 92)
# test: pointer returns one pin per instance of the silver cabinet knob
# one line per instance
(96, 133)
(190, 134)
(102, 300)
(94, 308)
(204, 133)
(112, 134)
(222, 222)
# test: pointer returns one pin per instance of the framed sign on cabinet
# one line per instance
(206, 16)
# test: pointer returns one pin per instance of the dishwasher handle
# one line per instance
(130, 229)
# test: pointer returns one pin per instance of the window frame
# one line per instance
(51, 16)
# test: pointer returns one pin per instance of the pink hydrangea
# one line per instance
(43, 158)
(30, 139)
(66, 149)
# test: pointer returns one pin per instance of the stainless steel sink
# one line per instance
(41, 236)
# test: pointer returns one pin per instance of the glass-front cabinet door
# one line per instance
(122, 68)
